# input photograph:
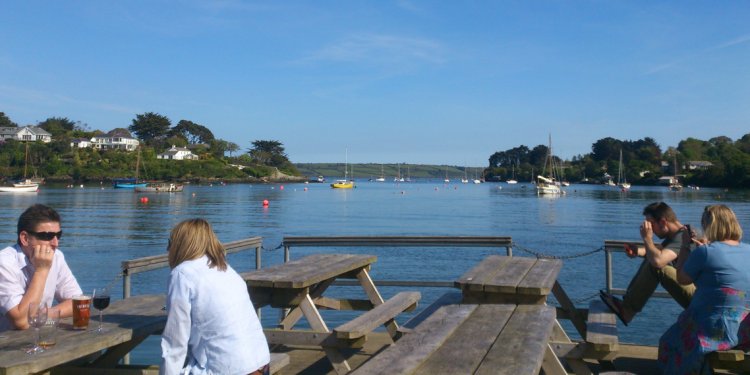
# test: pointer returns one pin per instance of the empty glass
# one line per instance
(48, 332)
(37, 318)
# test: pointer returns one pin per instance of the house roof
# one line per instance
(118, 132)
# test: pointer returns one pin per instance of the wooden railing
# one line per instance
(398, 241)
(618, 246)
(134, 266)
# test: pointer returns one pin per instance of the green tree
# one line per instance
(6, 122)
(192, 132)
(263, 152)
(232, 148)
(150, 126)
(57, 126)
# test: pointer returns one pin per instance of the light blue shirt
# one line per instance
(211, 322)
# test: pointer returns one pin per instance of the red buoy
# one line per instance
(265, 203)
(144, 199)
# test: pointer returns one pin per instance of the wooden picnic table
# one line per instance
(503, 279)
(126, 322)
(473, 339)
(300, 285)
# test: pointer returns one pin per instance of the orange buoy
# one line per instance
(265, 203)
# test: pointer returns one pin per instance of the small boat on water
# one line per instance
(548, 185)
(26, 186)
(346, 183)
(127, 183)
(159, 187)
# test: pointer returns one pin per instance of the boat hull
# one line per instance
(159, 188)
(19, 189)
(341, 184)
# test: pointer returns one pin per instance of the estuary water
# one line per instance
(104, 226)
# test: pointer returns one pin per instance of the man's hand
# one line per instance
(647, 232)
(631, 250)
(42, 257)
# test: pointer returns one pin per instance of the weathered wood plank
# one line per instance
(601, 327)
(507, 280)
(541, 278)
(475, 278)
(342, 264)
(267, 277)
(520, 347)
(468, 345)
(411, 350)
(379, 315)
(399, 241)
(449, 298)
(278, 362)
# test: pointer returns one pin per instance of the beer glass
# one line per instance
(81, 312)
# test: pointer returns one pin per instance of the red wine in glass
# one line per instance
(101, 302)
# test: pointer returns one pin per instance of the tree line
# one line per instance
(57, 160)
(644, 162)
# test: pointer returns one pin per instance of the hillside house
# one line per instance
(25, 134)
(177, 153)
(117, 139)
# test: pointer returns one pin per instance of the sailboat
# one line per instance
(675, 184)
(512, 179)
(24, 186)
(382, 175)
(447, 180)
(621, 180)
(398, 177)
(345, 183)
(130, 183)
(548, 185)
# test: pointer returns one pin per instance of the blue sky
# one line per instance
(435, 82)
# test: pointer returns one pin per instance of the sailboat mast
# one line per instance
(26, 161)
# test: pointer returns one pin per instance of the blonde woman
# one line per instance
(720, 270)
(211, 326)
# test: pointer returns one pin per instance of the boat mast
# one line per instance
(26, 161)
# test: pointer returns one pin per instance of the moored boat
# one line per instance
(159, 187)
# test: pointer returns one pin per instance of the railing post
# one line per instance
(286, 253)
(125, 284)
(608, 267)
(257, 258)
(509, 251)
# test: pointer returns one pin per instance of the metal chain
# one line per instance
(275, 248)
(549, 256)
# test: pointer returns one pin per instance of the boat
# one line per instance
(317, 180)
(159, 187)
(512, 179)
(674, 183)
(24, 186)
(382, 175)
(622, 182)
(130, 182)
(346, 183)
(548, 185)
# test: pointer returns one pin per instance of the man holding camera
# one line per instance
(657, 267)
(34, 271)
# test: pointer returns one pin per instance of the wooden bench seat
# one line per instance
(378, 315)
(735, 361)
(601, 328)
(470, 339)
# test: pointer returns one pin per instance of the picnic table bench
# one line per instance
(300, 285)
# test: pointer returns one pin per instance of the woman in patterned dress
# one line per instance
(720, 270)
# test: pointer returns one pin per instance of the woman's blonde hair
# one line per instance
(193, 238)
(720, 224)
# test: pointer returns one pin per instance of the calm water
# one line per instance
(105, 226)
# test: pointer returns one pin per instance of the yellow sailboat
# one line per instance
(346, 183)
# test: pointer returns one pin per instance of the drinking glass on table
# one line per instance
(48, 332)
(101, 302)
(37, 318)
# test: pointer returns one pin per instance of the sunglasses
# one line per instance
(45, 236)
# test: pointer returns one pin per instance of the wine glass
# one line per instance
(37, 318)
(101, 302)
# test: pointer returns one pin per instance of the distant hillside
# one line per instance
(371, 170)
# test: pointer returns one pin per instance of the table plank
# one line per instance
(124, 321)
(525, 335)
(342, 264)
(466, 348)
(540, 279)
(511, 275)
(476, 277)
(420, 344)
(266, 277)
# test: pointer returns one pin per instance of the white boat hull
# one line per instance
(20, 188)
(548, 189)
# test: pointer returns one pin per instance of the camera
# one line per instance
(690, 230)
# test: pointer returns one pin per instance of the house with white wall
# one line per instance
(177, 153)
(117, 139)
(25, 134)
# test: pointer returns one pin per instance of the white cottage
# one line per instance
(25, 134)
(177, 153)
(117, 139)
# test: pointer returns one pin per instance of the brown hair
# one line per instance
(720, 224)
(660, 210)
(192, 239)
(35, 215)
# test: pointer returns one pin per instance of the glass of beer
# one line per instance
(81, 312)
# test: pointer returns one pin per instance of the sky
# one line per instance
(405, 81)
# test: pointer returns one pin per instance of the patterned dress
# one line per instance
(714, 319)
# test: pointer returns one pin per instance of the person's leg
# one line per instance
(681, 293)
(640, 289)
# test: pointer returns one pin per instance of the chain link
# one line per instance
(549, 256)
(275, 248)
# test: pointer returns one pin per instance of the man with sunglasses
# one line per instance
(34, 270)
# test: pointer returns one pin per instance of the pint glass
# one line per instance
(81, 312)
